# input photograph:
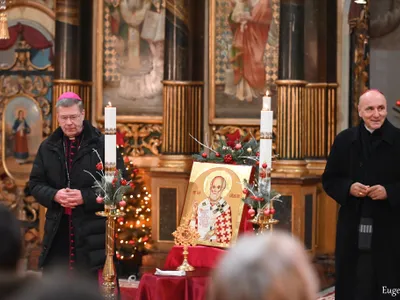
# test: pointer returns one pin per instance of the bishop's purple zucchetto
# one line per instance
(69, 95)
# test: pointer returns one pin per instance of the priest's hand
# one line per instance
(74, 198)
(359, 190)
(61, 196)
(377, 192)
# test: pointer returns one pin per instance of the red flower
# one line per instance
(232, 139)
(123, 182)
(228, 158)
(99, 166)
(121, 138)
(255, 198)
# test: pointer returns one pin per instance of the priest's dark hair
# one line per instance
(10, 231)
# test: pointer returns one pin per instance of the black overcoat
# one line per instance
(49, 175)
(345, 166)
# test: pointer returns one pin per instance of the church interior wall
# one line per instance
(135, 126)
(384, 52)
(40, 16)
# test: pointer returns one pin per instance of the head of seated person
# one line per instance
(264, 267)
(61, 286)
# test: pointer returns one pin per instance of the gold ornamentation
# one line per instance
(110, 169)
(34, 84)
(360, 57)
(179, 9)
(141, 139)
(265, 222)
(266, 135)
(4, 34)
(111, 213)
(110, 131)
(186, 236)
(27, 209)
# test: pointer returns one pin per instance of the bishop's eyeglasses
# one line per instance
(73, 118)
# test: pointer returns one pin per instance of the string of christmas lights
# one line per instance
(133, 234)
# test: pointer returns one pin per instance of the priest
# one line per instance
(74, 237)
(362, 174)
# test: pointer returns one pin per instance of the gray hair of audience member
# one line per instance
(61, 286)
(68, 102)
(11, 248)
(264, 267)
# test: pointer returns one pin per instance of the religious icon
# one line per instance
(133, 65)
(21, 135)
(20, 130)
(244, 43)
(212, 217)
(213, 204)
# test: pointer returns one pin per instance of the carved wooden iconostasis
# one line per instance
(26, 75)
(129, 69)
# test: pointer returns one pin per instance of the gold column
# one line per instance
(315, 120)
(290, 127)
(182, 117)
(82, 88)
(320, 124)
(331, 115)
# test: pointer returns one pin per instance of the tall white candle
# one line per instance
(110, 146)
(265, 152)
(110, 117)
(266, 102)
(266, 122)
(266, 125)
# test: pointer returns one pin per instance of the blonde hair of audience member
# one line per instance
(265, 267)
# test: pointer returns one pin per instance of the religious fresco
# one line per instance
(132, 44)
(244, 41)
(215, 182)
(22, 135)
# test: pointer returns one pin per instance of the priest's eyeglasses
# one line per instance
(73, 118)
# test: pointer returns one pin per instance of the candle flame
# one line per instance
(109, 104)
(268, 94)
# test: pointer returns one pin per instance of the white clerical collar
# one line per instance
(370, 130)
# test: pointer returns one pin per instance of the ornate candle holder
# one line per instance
(265, 218)
(186, 236)
(111, 213)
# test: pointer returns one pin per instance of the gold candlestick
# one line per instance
(185, 235)
(111, 213)
(266, 223)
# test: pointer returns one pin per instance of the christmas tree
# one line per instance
(133, 231)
